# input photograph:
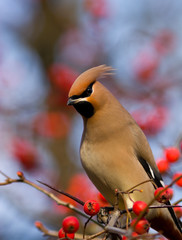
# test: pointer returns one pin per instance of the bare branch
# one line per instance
(49, 194)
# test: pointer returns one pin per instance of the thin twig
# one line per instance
(115, 230)
(150, 180)
(50, 195)
(44, 230)
(175, 203)
(127, 212)
(96, 235)
(53, 233)
(85, 225)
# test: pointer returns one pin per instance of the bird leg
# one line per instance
(103, 215)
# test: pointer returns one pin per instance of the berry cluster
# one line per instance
(141, 226)
(171, 156)
(70, 225)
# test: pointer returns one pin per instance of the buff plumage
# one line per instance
(114, 150)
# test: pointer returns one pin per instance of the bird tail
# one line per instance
(168, 224)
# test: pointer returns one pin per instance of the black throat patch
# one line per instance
(84, 108)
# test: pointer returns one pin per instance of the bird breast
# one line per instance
(110, 167)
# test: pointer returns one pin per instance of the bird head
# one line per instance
(86, 93)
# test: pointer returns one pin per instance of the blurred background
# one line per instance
(44, 46)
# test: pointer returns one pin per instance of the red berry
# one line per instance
(142, 226)
(154, 120)
(139, 206)
(171, 193)
(52, 124)
(62, 76)
(179, 182)
(162, 165)
(146, 65)
(91, 207)
(178, 211)
(65, 236)
(70, 224)
(172, 154)
(163, 196)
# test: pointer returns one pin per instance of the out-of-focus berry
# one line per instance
(25, 152)
(178, 211)
(52, 124)
(146, 65)
(62, 76)
(172, 154)
(151, 120)
(162, 165)
(179, 182)
(77, 183)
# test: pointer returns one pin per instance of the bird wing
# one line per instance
(156, 177)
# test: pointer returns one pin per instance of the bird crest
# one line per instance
(88, 77)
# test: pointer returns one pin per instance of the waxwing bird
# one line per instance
(114, 150)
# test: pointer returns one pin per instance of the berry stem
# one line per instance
(85, 225)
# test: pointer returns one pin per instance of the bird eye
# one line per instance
(89, 90)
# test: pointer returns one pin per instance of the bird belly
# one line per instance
(97, 171)
(107, 175)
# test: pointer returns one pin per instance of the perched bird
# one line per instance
(114, 150)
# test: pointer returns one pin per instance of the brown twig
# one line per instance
(116, 230)
(127, 212)
(52, 233)
(175, 203)
(150, 180)
(96, 235)
(49, 194)
(44, 230)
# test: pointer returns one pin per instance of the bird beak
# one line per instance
(70, 101)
